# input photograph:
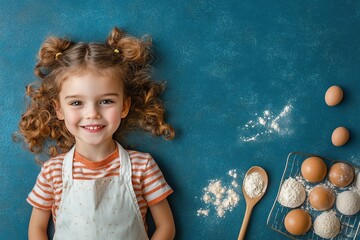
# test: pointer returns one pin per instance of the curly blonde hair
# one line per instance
(127, 57)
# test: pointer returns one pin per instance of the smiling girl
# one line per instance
(88, 95)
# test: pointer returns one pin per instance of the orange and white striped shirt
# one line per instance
(148, 181)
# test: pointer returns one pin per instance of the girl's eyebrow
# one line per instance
(103, 95)
(72, 96)
(110, 94)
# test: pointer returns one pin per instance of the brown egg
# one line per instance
(313, 169)
(334, 95)
(341, 174)
(297, 222)
(340, 136)
(321, 197)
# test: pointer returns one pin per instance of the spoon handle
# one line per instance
(245, 222)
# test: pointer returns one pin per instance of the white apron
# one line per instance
(98, 209)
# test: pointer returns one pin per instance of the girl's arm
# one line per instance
(164, 222)
(38, 224)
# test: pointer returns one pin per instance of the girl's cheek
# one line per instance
(72, 118)
(115, 118)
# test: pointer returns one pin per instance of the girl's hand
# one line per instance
(164, 222)
(38, 224)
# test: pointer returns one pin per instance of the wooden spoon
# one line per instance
(251, 202)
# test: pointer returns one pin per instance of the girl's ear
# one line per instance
(58, 110)
(126, 107)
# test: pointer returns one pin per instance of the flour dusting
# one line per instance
(266, 124)
(219, 196)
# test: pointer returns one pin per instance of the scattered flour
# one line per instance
(203, 212)
(253, 184)
(264, 125)
(222, 198)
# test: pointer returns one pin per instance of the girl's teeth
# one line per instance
(93, 128)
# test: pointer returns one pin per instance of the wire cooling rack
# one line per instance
(349, 224)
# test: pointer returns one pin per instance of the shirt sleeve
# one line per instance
(154, 186)
(42, 195)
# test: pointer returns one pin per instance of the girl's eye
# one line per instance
(106, 101)
(75, 103)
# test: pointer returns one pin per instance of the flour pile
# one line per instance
(253, 184)
(327, 225)
(348, 202)
(292, 193)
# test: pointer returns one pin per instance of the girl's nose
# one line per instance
(93, 113)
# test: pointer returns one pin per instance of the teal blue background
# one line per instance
(225, 63)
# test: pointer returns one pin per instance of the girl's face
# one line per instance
(92, 106)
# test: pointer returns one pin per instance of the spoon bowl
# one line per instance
(252, 201)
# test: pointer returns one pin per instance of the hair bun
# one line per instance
(115, 36)
(51, 49)
(131, 49)
(49, 54)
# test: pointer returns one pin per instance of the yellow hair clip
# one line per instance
(116, 50)
(58, 55)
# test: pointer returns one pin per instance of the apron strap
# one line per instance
(125, 165)
(126, 171)
(67, 166)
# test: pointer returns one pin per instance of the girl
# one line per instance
(88, 94)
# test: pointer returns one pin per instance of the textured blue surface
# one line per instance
(226, 63)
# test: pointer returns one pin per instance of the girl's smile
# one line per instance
(94, 128)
